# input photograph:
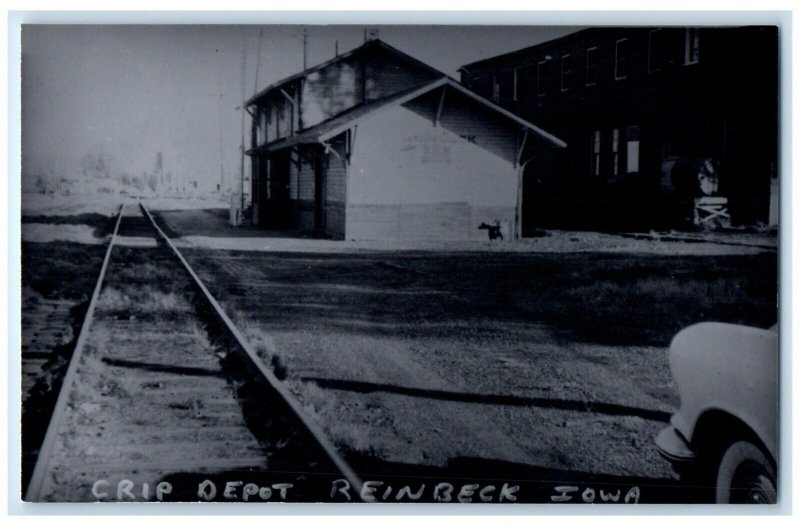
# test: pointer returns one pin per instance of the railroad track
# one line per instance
(163, 393)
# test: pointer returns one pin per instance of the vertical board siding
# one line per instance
(301, 183)
(306, 179)
(335, 192)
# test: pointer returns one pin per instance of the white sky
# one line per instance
(131, 91)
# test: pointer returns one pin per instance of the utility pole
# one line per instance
(244, 109)
(221, 157)
(258, 59)
(305, 49)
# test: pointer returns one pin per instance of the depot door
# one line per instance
(276, 209)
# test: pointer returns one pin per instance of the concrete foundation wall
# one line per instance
(335, 220)
(439, 221)
(305, 214)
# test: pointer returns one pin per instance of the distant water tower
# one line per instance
(159, 173)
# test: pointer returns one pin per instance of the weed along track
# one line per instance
(165, 400)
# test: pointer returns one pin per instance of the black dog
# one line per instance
(494, 230)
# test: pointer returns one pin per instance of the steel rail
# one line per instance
(253, 359)
(40, 470)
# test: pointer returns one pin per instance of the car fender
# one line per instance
(728, 368)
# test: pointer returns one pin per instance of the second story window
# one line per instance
(566, 72)
(692, 50)
(592, 66)
(621, 59)
(272, 124)
(258, 127)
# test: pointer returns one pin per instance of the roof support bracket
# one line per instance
(289, 97)
(350, 139)
(331, 149)
(438, 118)
(521, 148)
(296, 161)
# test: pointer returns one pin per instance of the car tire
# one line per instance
(746, 476)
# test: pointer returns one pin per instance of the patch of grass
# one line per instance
(103, 225)
(266, 350)
(144, 273)
(61, 270)
(647, 300)
(328, 410)
(615, 299)
(152, 269)
(140, 300)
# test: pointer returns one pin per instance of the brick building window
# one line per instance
(615, 150)
(621, 59)
(596, 153)
(541, 78)
(632, 146)
(692, 48)
(656, 50)
(592, 66)
(566, 72)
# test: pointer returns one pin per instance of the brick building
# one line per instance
(648, 113)
(376, 144)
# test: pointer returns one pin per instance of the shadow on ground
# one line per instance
(479, 398)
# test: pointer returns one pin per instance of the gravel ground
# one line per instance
(439, 359)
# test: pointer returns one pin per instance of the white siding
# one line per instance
(410, 179)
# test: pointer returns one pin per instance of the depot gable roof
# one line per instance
(326, 130)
